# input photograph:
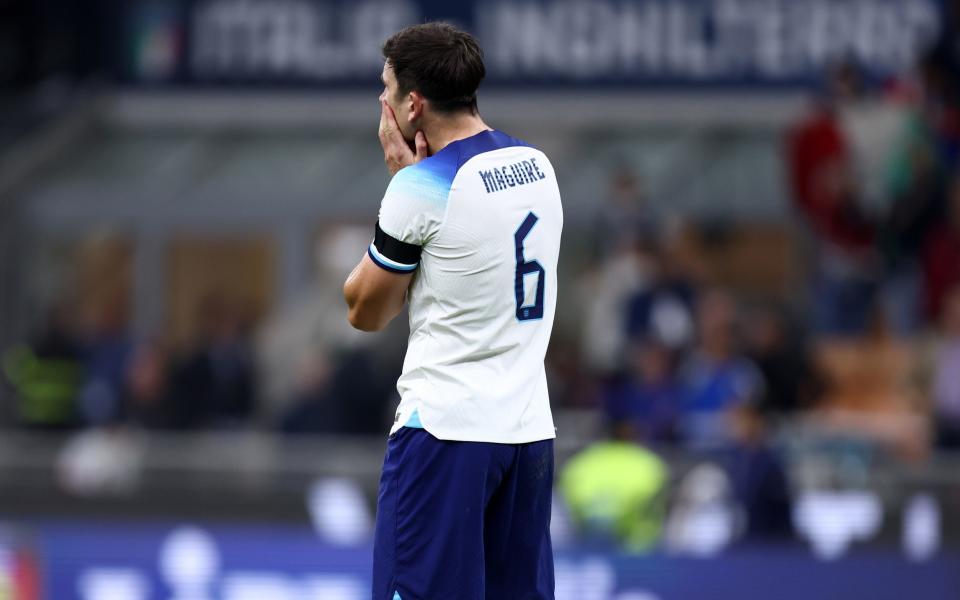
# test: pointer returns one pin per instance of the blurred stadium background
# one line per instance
(755, 369)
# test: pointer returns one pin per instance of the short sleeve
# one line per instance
(411, 213)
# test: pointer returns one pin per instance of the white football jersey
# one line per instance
(479, 224)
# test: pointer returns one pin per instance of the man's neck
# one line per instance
(443, 131)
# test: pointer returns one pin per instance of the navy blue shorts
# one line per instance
(463, 520)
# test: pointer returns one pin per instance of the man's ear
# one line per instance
(416, 106)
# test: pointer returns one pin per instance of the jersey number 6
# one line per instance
(524, 268)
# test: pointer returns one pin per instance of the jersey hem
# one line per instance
(485, 438)
(404, 413)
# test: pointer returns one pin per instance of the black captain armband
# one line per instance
(392, 254)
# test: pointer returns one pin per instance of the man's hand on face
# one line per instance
(397, 154)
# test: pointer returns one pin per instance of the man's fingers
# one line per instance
(389, 129)
(388, 122)
(390, 116)
(397, 151)
(421, 144)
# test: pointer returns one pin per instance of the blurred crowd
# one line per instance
(81, 373)
(871, 320)
(866, 355)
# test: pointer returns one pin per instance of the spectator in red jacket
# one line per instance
(826, 193)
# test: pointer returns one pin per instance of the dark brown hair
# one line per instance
(439, 61)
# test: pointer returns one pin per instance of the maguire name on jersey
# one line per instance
(478, 224)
